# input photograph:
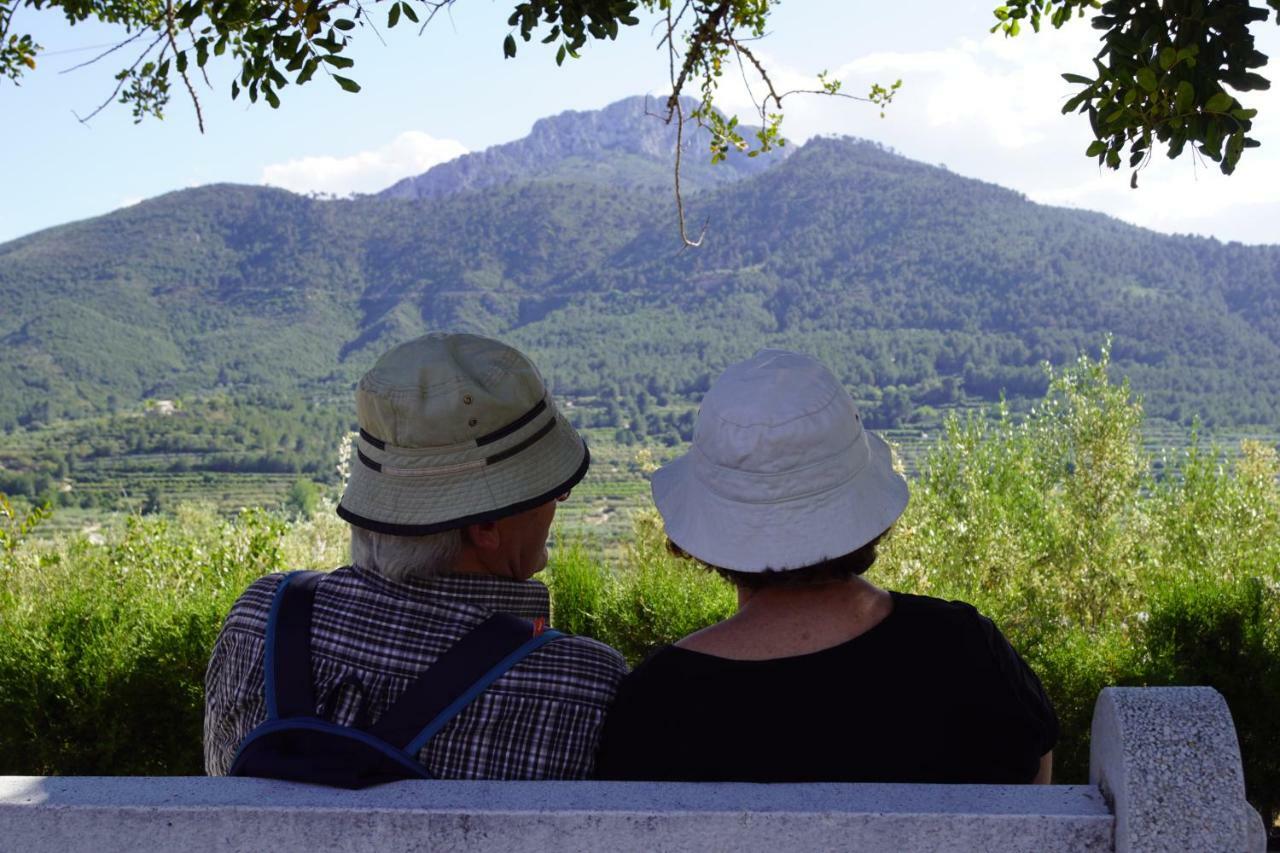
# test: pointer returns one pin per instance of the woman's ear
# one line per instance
(483, 536)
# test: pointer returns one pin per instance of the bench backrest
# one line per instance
(1165, 776)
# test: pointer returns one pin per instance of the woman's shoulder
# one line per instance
(956, 626)
(663, 662)
(917, 611)
(908, 602)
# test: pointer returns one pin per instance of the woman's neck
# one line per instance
(783, 621)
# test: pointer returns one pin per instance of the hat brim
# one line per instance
(781, 535)
(420, 506)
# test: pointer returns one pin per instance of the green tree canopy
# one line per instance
(1165, 75)
(1168, 73)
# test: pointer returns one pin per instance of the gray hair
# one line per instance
(402, 558)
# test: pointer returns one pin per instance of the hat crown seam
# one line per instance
(835, 394)
(738, 499)
(857, 469)
(501, 367)
(786, 471)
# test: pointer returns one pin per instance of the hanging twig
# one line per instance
(684, 234)
(182, 72)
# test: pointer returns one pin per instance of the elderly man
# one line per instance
(460, 462)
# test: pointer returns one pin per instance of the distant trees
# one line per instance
(279, 437)
(304, 498)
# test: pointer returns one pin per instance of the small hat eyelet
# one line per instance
(466, 399)
(472, 422)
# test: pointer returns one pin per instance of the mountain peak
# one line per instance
(627, 143)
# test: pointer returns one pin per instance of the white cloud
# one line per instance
(991, 109)
(411, 153)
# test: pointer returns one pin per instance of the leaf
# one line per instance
(409, 13)
(338, 61)
(307, 71)
(1074, 102)
(344, 25)
(1168, 56)
(346, 84)
(1219, 103)
(1095, 148)
(1146, 79)
(1185, 98)
(1246, 82)
(509, 46)
(1077, 78)
(393, 17)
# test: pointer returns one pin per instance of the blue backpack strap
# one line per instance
(454, 681)
(287, 659)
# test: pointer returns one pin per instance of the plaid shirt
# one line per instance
(371, 638)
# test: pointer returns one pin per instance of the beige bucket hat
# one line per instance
(782, 474)
(456, 429)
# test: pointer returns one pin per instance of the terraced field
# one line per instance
(104, 489)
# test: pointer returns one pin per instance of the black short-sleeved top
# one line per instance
(933, 693)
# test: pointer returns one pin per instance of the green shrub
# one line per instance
(649, 599)
(103, 654)
(1226, 633)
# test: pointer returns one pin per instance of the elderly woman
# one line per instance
(820, 675)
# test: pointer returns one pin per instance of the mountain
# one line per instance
(921, 288)
(626, 144)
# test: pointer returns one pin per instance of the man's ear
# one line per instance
(484, 536)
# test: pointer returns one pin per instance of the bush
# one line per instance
(1098, 571)
(1226, 633)
(103, 654)
(650, 599)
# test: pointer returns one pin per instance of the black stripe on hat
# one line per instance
(524, 445)
(369, 463)
(478, 518)
(505, 431)
(376, 442)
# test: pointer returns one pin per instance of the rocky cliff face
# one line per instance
(627, 143)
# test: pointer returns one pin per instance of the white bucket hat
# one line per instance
(456, 430)
(781, 474)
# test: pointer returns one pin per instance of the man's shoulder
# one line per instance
(573, 668)
(249, 612)
(592, 651)
(592, 657)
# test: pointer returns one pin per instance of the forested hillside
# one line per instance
(923, 289)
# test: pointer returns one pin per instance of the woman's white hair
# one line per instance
(402, 558)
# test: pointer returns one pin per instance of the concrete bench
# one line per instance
(1165, 775)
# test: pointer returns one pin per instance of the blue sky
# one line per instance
(985, 106)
